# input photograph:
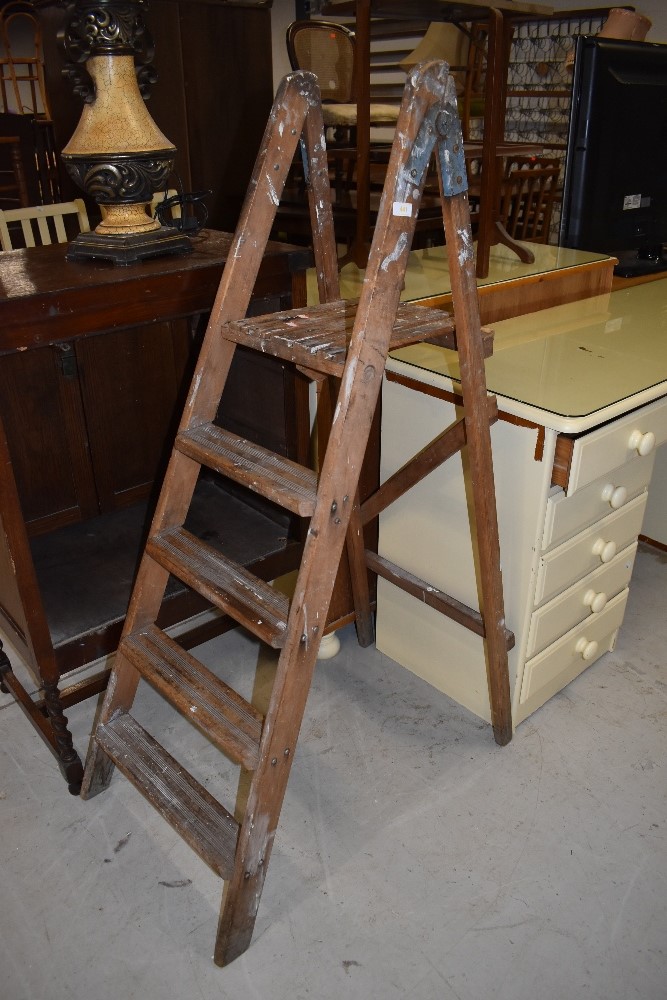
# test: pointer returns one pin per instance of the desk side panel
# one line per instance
(428, 533)
(654, 527)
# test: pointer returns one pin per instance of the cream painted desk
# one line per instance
(582, 391)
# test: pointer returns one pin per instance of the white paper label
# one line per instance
(613, 324)
(402, 208)
(632, 201)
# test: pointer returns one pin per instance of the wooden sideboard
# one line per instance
(94, 362)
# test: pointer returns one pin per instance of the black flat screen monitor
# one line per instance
(615, 186)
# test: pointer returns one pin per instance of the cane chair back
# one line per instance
(328, 50)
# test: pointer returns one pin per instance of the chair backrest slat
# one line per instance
(43, 227)
(28, 236)
(61, 235)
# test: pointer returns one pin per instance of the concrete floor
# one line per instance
(415, 858)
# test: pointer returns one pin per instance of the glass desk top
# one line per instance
(570, 366)
(427, 273)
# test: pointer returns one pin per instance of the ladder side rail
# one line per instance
(295, 95)
(338, 483)
(316, 171)
(456, 218)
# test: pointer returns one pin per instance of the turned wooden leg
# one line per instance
(5, 668)
(68, 758)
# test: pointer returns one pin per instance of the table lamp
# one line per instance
(117, 153)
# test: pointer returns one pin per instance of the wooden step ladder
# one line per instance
(335, 339)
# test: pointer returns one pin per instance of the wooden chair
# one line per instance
(527, 193)
(22, 88)
(39, 224)
(471, 101)
(328, 50)
(13, 184)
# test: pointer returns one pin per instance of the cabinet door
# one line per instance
(131, 385)
(41, 409)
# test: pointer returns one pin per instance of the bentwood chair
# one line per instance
(22, 88)
(328, 49)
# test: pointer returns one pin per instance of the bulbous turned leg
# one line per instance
(5, 668)
(68, 759)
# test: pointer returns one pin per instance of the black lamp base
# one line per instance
(129, 248)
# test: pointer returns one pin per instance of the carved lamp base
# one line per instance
(129, 248)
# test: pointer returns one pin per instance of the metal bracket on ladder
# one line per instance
(335, 340)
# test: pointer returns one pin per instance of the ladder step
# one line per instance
(201, 821)
(231, 722)
(288, 484)
(317, 337)
(247, 599)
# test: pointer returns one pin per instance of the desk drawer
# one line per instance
(583, 600)
(589, 549)
(637, 434)
(579, 648)
(566, 515)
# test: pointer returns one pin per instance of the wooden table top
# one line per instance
(44, 297)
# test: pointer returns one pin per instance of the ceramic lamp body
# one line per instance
(117, 154)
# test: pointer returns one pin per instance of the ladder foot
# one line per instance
(237, 918)
(503, 734)
(98, 772)
(365, 631)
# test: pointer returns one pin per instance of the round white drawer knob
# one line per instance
(614, 495)
(587, 648)
(595, 600)
(605, 550)
(643, 444)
